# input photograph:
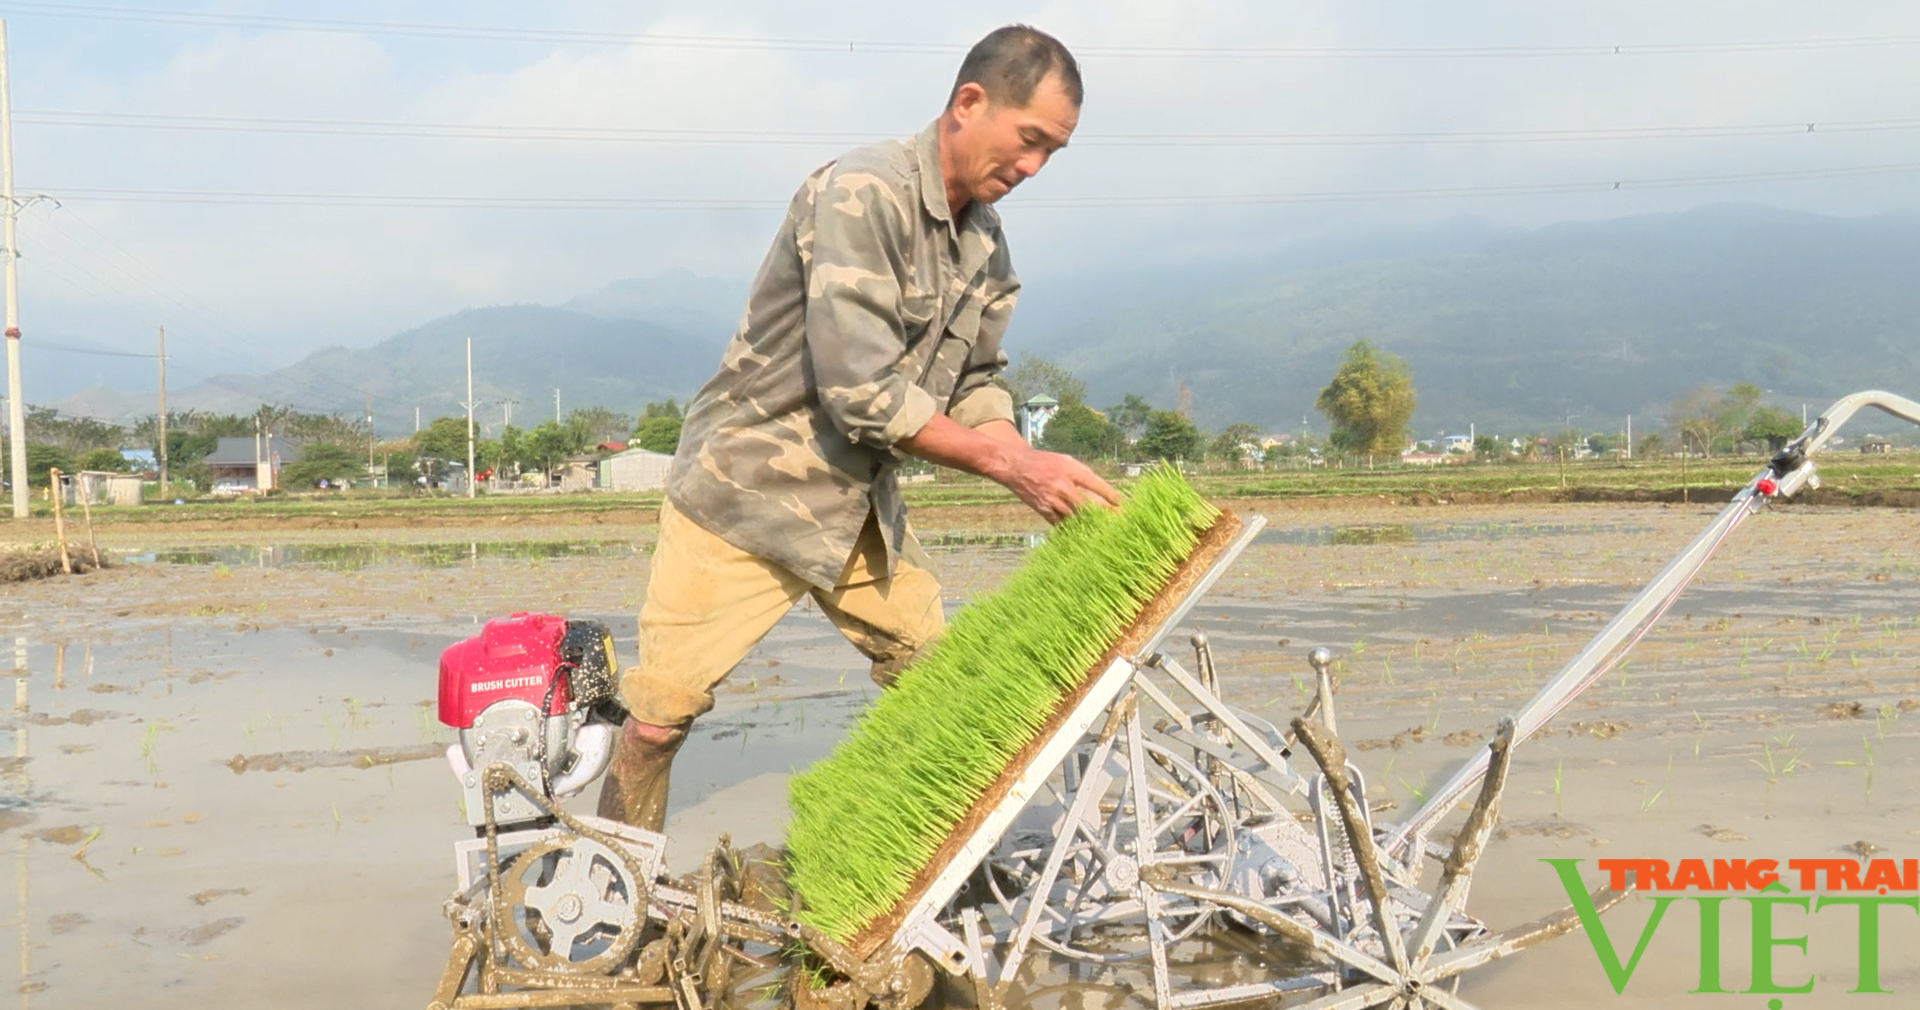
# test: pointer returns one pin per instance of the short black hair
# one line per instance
(1010, 63)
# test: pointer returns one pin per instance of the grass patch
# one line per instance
(869, 817)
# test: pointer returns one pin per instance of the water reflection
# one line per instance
(1429, 533)
(355, 556)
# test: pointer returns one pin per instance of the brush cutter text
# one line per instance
(483, 686)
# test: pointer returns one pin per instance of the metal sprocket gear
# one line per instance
(572, 904)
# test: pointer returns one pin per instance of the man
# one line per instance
(872, 333)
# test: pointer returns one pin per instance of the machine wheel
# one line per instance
(573, 905)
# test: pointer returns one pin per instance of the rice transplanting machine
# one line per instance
(1148, 824)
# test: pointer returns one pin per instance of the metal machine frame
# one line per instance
(1152, 812)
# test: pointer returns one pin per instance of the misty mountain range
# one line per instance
(1512, 331)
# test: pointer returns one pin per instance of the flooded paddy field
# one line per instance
(222, 783)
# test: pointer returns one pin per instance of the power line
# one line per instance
(568, 36)
(38, 346)
(208, 316)
(423, 201)
(659, 135)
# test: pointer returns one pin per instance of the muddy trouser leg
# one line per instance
(708, 604)
(892, 619)
(635, 790)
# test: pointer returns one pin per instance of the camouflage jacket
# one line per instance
(874, 310)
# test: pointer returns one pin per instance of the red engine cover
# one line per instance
(512, 657)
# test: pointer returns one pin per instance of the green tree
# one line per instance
(1773, 426)
(444, 438)
(101, 459)
(1082, 432)
(1369, 401)
(1487, 448)
(1238, 443)
(659, 427)
(548, 444)
(1130, 415)
(41, 457)
(328, 461)
(658, 434)
(1168, 436)
(513, 448)
(1033, 375)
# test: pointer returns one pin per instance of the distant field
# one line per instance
(1848, 478)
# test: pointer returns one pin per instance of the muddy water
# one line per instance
(221, 786)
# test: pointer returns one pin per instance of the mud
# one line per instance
(1772, 715)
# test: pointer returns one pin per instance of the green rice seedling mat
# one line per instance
(872, 821)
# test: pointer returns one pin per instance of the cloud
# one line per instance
(284, 280)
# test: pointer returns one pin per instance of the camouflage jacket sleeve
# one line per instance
(977, 398)
(857, 320)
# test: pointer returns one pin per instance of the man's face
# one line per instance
(996, 147)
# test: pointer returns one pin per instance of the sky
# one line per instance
(347, 176)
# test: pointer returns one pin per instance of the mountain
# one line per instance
(1514, 331)
(1594, 319)
(520, 353)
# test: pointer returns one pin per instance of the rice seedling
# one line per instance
(1783, 763)
(1559, 769)
(1867, 763)
(871, 815)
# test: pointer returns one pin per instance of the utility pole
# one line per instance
(416, 420)
(470, 473)
(16, 413)
(556, 406)
(257, 485)
(369, 437)
(1629, 436)
(506, 417)
(162, 419)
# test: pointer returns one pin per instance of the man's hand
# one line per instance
(1048, 482)
(1054, 484)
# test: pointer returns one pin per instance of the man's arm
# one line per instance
(1050, 483)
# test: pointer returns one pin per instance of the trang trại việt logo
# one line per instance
(1865, 886)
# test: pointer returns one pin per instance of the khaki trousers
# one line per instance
(709, 603)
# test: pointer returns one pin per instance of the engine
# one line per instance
(538, 693)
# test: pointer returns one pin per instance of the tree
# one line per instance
(444, 438)
(1034, 375)
(1773, 426)
(1696, 416)
(593, 425)
(1734, 411)
(659, 434)
(41, 457)
(659, 427)
(548, 444)
(1369, 401)
(1238, 443)
(1130, 415)
(1083, 433)
(513, 447)
(1488, 448)
(1168, 436)
(328, 461)
(101, 459)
